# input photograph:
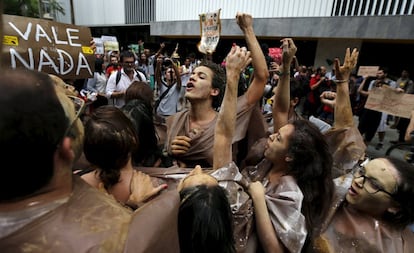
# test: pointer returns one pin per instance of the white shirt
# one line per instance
(122, 85)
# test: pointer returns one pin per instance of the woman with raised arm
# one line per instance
(292, 192)
(296, 160)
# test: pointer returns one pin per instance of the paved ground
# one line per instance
(390, 135)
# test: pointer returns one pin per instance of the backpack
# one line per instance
(118, 76)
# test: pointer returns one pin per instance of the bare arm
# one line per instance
(142, 189)
(226, 121)
(361, 88)
(158, 71)
(177, 75)
(410, 128)
(343, 110)
(296, 62)
(160, 50)
(281, 104)
(158, 62)
(260, 74)
(316, 85)
(265, 231)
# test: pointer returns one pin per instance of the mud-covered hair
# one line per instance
(110, 139)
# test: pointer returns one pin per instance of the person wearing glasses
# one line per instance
(43, 206)
(373, 207)
(115, 89)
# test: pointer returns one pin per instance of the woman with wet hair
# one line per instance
(110, 141)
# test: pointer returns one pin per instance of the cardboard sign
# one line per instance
(99, 46)
(110, 43)
(368, 70)
(210, 27)
(388, 100)
(47, 46)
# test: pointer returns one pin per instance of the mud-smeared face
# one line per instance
(372, 187)
(197, 177)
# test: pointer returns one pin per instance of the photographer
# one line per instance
(170, 93)
(113, 65)
(318, 83)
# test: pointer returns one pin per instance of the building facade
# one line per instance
(383, 30)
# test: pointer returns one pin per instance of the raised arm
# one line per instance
(343, 110)
(177, 75)
(281, 104)
(361, 87)
(260, 75)
(224, 131)
(160, 50)
(158, 73)
(264, 227)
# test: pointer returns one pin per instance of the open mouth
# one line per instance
(352, 191)
(190, 86)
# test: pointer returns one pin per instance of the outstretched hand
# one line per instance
(142, 189)
(289, 50)
(343, 72)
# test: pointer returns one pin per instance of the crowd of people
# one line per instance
(184, 158)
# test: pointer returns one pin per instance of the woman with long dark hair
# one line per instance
(139, 108)
(292, 187)
(110, 141)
